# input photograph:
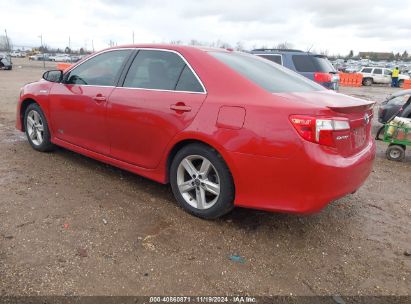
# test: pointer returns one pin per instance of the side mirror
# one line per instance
(53, 76)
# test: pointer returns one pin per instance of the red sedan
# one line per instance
(224, 128)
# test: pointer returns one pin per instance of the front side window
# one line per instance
(387, 72)
(271, 77)
(161, 70)
(101, 70)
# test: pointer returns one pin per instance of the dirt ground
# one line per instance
(70, 225)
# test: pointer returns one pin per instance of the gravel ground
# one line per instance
(70, 225)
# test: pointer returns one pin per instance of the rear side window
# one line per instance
(188, 82)
(271, 77)
(101, 70)
(310, 64)
(161, 70)
(366, 70)
(377, 71)
(273, 58)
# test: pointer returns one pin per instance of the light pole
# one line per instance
(41, 45)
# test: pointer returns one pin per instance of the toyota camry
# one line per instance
(224, 128)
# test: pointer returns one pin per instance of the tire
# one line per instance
(395, 153)
(213, 188)
(379, 132)
(400, 83)
(367, 82)
(36, 128)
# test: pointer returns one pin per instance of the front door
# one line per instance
(160, 97)
(378, 76)
(78, 105)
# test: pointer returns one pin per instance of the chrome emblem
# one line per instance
(366, 118)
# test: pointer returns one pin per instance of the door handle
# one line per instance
(180, 107)
(99, 98)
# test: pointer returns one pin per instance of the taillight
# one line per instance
(320, 130)
(322, 77)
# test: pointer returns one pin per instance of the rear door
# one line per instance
(160, 97)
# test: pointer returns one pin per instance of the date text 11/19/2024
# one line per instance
(203, 299)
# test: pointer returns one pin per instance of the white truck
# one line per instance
(380, 75)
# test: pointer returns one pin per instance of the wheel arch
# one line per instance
(24, 105)
(368, 78)
(182, 142)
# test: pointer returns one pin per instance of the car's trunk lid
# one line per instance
(329, 104)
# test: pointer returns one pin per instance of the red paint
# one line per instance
(231, 117)
(273, 166)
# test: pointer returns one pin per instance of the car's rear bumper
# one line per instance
(304, 183)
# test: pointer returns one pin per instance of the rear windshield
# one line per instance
(270, 76)
(310, 63)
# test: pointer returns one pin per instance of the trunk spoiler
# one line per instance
(353, 108)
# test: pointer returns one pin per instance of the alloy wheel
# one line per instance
(198, 182)
(35, 127)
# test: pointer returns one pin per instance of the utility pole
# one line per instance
(41, 45)
(7, 40)
(92, 45)
(69, 45)
(133, 37)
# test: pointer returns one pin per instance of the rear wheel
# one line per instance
(367, 81)
(201, 181)
(37, 130)
(395, 152)
(400, 83)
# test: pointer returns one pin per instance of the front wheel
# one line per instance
(37, 130)
(201, 182)
(395, 152)
(367, 81)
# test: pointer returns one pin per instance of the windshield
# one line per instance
(270, 76)
(399, 101)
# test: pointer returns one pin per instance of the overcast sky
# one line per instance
(333, 25)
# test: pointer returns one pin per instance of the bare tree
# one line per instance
(284, 45)
(239, 46)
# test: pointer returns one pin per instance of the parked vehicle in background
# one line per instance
(380, 75)
(18, 54)
(392, 105)
(60, 58)
(352, 69)
(75, 58)
(5, 62)
(40, 57)
(224, 128)
(315, 67)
